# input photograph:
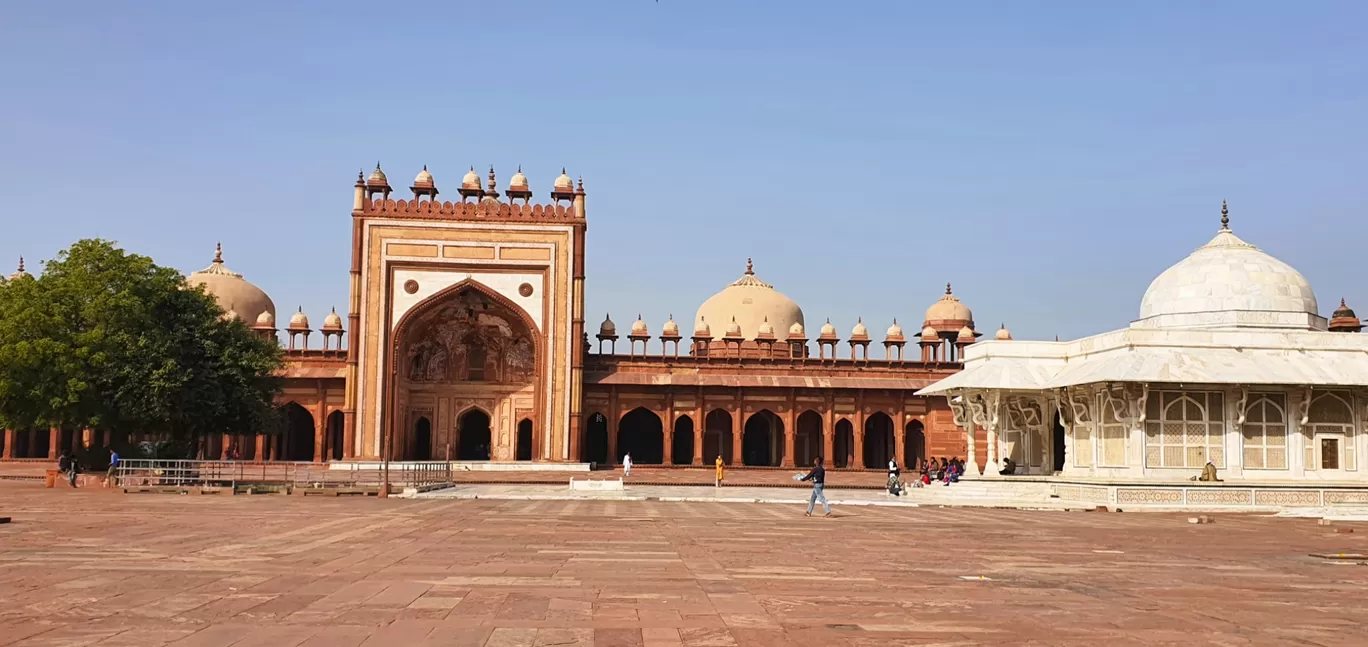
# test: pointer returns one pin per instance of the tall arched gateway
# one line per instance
(468, 355)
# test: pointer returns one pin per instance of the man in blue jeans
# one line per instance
(818, 478)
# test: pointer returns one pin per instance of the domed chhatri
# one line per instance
(796, 331)
(750, 301)
(966, 334)
(471, 180)
(607, 328)
(766, 330)
(948, 314)
(929, 335)
(424, 178)
(859, 331)
(234, 294)
(518, 181)
(333, 321)
(702, 329)
(1228, 283)
(733, 329)
(1344, 319)
(564, 183)
(19, 273)
(377, 177)
(265, 320)
(895, 332)
(639, 328)
(670, 329)
(299, 321)
(1003, 334)
(828, 330)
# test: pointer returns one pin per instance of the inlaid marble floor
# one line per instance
(96, 568)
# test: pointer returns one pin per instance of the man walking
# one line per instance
(818, 478)
(627, 464)
(113, 468)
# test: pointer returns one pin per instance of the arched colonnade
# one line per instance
(758, 438)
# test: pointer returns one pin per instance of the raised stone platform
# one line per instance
(1238, 496)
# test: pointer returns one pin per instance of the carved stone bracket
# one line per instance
(977, 409)
(1060, 398)
(1304, 406)
(1082, 409)
(1241, 406)
(958, 405)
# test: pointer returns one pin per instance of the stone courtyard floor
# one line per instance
(97, 568)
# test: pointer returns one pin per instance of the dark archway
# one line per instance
(717, 437)
(878, 441)
(298, 442)
(422, 439)
(524, 452)
(595, 448)
(641, 434)
(336, 422)
(762, 439)
(914, 445)
(472, 430)
(1057, 438)
(844, 445)
(807, 439)
(681, 450)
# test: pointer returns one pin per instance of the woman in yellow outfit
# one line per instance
(718, 463)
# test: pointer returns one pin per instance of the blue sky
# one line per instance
(1048, 158)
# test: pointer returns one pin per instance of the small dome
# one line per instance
(1230, 283)
(965, 334)
(518, 181)
(948, 313)
(299, 321)
(265, 320)
(377, 177)
(796, 330)
(332, 321)
(733, 328)
(564, 183)
(639, 327)
(894, 331)
(929, 334)
(828, 329)
(607, 328)
(765, 328)
(470, 180)
(1003, 334)
(1344, 319)
(859, 330)
(670, 329)
(424, 178)
(702, 329)
(233, 293)
(1343, 311)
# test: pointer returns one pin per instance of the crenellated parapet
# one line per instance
(483, 210)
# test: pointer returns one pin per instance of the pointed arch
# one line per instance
(762, 439)
(717, 437)
(682, 445)
(473, 435)
(594, 449)
(878, 441)
(641, 434)
(297, 443)
(914, 445)
(807, 439)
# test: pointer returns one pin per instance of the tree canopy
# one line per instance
(104, 338)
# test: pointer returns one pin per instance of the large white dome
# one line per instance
(1228, 283)
(750, 302)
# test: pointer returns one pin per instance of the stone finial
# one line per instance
(750, 267)
(1225, 217)
(218, 253)
(947, 287)
(21, 264)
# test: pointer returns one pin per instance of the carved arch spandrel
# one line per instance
(442, 297)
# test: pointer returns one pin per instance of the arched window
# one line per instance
(1265, 432)
(1330, 425)
(1183, 430)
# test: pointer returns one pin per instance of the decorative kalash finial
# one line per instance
(1225, 217)
(750, 267)
(21, 264)
(218, 253)
(947, 287)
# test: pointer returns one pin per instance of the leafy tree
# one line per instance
(111, 340)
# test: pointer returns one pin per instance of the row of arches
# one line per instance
(640, 432)
(473, 439)
(297, 443)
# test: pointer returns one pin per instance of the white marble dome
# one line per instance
(1228, 283)
(749, 302)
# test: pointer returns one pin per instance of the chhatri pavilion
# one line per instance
(1230, 362)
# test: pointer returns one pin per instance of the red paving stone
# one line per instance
(97, 568)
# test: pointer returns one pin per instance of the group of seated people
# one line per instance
(943, 470)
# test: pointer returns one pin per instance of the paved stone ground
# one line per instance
(96, 568)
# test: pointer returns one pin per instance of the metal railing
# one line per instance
(191, 473)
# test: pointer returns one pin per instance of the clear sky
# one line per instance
(1048, 158)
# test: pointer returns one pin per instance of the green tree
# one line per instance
(111, 340)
